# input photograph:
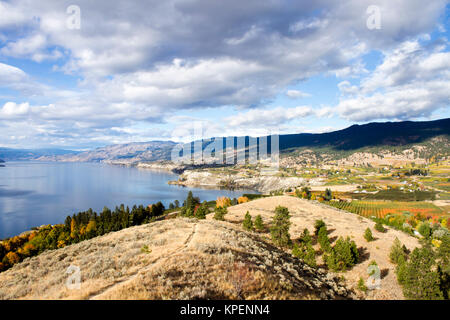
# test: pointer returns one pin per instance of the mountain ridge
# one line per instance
(375, 134)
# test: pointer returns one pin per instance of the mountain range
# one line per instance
(354, 137)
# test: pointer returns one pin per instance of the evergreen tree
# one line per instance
(323, 239)
(419, 276)
(318, 225)
(280, 227)
(202, 210)
(328, 195)
(343, 255)
(219, 213)
(247, 223)
(259, 225)
(306, 252)
(368, 235)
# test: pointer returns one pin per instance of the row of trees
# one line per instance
(78, 227)
(425, 272)
(306, 193)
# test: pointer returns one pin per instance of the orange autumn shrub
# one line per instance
(11, 258)
(243, 200)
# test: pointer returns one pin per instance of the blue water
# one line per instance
(37, 193)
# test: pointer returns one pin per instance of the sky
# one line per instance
(82, 74)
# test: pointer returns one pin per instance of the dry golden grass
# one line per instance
(304, 213)
(172, 259)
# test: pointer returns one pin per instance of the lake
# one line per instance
(37, 193)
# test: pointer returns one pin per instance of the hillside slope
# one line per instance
(9, 154)
(304, 213)
(370, 135)
(171, 259)
(122, 153)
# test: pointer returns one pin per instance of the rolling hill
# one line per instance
(171, 259)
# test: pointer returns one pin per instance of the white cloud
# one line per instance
(10, 15)
(269, 117)
(141, 61)
(10, 75)
(411, 82)
(297, 94)
(12, 110)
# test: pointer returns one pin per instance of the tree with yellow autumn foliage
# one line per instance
(223, 202)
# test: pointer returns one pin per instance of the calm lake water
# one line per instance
(37, 193)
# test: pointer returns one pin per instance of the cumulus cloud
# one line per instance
(270, 117)
(33, 46)
(140, 61)
(411, 82)
(13, 110)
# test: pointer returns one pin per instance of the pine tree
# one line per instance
(306, 252)
(328, 195)
(201, 212)
(397, 252)
(419, 277)
(219, 213)
(259, 225)
(318, 225)
(343, 255)
(368, 235)
(280, 227)
(247, 223)
(323, 239)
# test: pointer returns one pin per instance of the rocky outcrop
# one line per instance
(261, 183)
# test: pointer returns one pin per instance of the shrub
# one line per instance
(247, 223)
(219, 213)
(327, 195)
(397, 252)
(379, 227)
(280, 227)
(440, 233)
(259, 225)
(306, 237)
(201, 211)
(323, 239)
(306, 193)
(317, 225)
(425, 230)
(306, 252)
(419, 277)
(362, 285)
(243, 200)
(368, 235)
(146, 249)
(343, 255)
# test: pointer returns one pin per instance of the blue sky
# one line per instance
(141, 71)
